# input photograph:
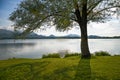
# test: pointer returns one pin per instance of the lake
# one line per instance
(35, 48)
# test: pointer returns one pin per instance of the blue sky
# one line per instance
(6, 7)
(111, 28)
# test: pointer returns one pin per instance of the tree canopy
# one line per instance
(34, 14)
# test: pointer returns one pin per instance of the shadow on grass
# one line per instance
(83, 71)
(23, 71)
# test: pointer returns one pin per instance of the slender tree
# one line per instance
(63, 14)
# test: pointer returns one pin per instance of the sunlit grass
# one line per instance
(101, 68)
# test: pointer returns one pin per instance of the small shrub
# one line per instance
(55, 55)
(117, 55)
(12, 58)
(73, 54)
(102, 53)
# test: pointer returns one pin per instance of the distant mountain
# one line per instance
(73, 35)
(90, 36)
(7, 34)
(32, 35)
(52, 36)
(94, 36)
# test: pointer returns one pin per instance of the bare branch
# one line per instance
(105, 9)
(33, 27)
(90, 9)
(100, 11)
(73, 19)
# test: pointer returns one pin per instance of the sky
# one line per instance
(111, 28)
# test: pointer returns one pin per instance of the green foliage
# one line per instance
(34, 14)
(72, 54)
(102, 53)
(54, 55)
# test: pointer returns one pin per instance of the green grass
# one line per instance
(70, 68)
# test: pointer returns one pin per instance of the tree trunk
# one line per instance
(82, 21)
(84, 42)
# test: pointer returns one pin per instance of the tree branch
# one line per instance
(40, 21)
(73, 19)
(93, 6)
(98, 12)
(106, 9)
(77, 11)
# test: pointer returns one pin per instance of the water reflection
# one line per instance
(35, 48)
(8, 50)
(110, 45)
(18, 45)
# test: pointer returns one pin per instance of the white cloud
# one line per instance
(110, 28)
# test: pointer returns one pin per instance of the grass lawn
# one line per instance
(70, 68)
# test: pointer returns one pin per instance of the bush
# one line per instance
(55, 55)
(116, 54)
(102, 53)
(73, 54)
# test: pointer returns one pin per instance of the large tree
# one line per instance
(63, 15)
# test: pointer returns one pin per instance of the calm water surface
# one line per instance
(35, 48)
